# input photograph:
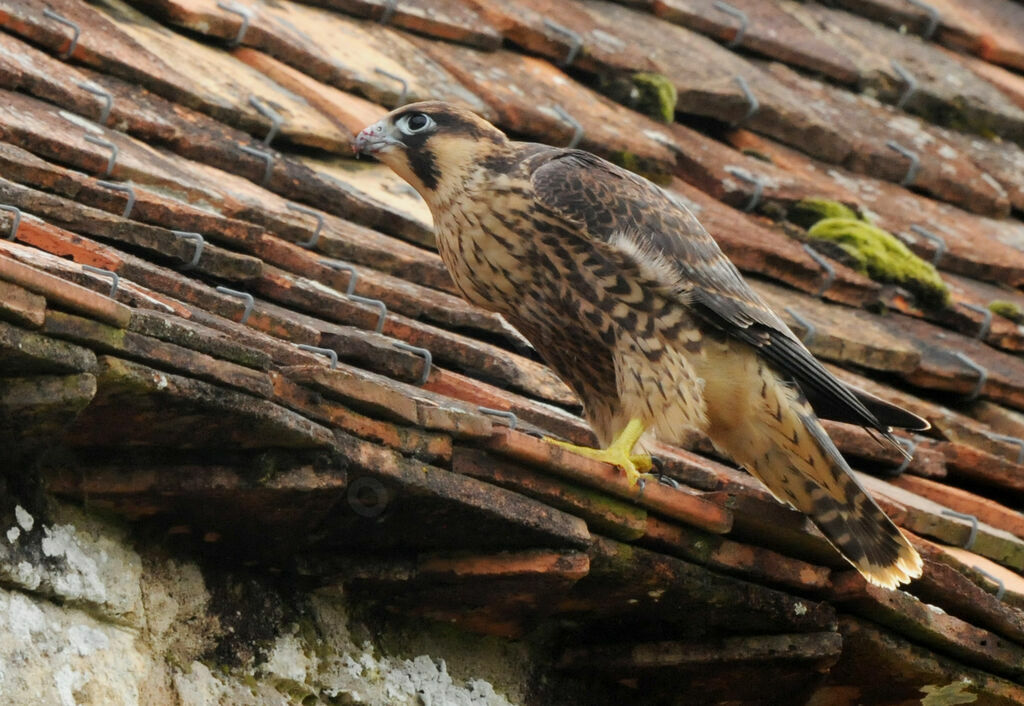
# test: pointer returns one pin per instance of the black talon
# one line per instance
(657, 465)
(534, 433)
(667, 480)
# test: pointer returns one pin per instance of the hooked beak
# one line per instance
(375, 139)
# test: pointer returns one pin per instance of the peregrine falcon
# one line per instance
(630, 300)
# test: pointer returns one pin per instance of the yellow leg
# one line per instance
(619, 452)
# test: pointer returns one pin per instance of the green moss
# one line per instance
(627, 160)
(1006, 309)
(656, 96)
(645, 168)
(295, 691)
(807, 212)
(751, 152)
(879, 255)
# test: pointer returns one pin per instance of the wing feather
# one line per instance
(611, 205)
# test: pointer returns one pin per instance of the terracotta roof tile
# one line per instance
(467, 520)
(337, 50)
(60, 292)
(871, 651)
(869, 127)
(526, 95)
(983, 248)
(20, 306)
(770, 29)
(984, 28)
(944, 633)
(946, 90)
(173, 411)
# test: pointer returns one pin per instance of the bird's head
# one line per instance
(432, 145)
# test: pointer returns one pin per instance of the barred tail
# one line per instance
(780, 441)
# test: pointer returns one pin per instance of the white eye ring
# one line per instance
(403, 123)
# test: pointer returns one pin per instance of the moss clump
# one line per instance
(1006, 309)
(807, 212)
(879, 255)
(656, 96)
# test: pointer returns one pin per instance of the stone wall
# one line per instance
(93, 612)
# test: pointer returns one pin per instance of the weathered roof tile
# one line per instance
(59, 292)
(984, 27)
(611, 517)
(724, 554)
(688, 507)
(35, 411)
(943, 632)
(346, 53)
(20, 306)
(870, 651)
(947, 92)
(975, 246)
(27, 352)
(388, 455)
(869, 127)
(526, 95)
(768, 29)
(454, 20)
(136, 405)
(635, 587)
(152, 351)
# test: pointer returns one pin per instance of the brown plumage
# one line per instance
(623, 292)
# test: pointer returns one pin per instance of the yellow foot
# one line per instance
(619, 453)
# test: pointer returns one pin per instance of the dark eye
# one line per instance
(415, 122)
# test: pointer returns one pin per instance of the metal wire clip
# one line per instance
(112, 276)
(248, 298)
